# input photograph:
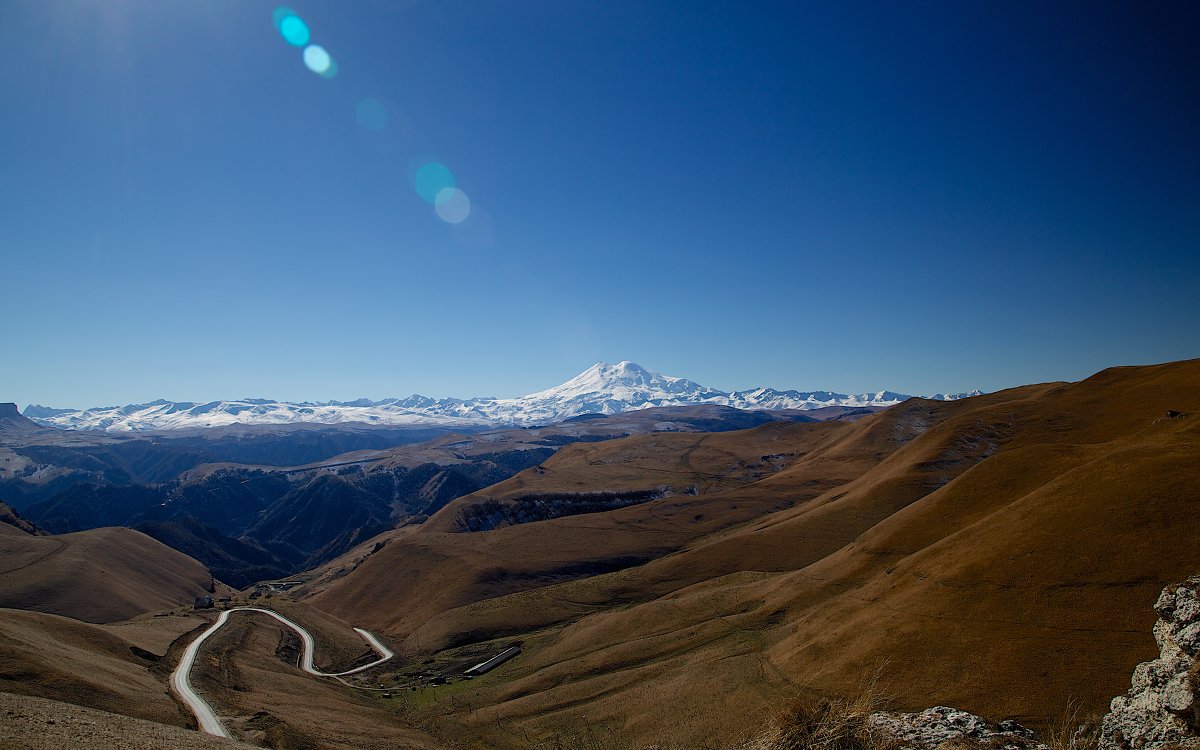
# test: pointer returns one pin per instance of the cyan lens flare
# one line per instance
(281, 13)
(318, 60)
(432, 178)
(371, 114)
(452, 205)
(293, 30)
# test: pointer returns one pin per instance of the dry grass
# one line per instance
(57, 658)
(1075, 729)
(838, 723)
(100, 575)
(964, 542)
(810, 723)
(28, 723)
(827, 724)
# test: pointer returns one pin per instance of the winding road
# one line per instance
(209, 723)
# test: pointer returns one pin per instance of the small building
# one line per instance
(493, 662)
(203, 602)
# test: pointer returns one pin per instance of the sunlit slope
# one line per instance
(102, 575)
(415, 577)
(90, 665)
(673, 463)
(40, 724)
(248, 672)
(249, 676)
(999, 553)
(1004, 561)
(449, 581)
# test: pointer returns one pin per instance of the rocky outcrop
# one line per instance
(11, 517)
(1162, 708)
(932, 727)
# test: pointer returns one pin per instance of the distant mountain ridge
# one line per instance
(601, 389)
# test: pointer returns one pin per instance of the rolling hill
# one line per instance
(63, 659)
(997, 553)
(252, 522)
(101, 575)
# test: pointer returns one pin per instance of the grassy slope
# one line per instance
(413, 585)
(247, 672)
(999, 553)
(38, 724)
(61, 659)
(101, 575)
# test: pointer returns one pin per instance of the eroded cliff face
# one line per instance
(1162, 706)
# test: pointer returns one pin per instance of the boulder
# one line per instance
(1162, 707)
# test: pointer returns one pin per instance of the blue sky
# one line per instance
(921, 197)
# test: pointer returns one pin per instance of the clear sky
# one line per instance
(914, 196)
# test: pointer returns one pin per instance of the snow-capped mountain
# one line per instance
(601, 389)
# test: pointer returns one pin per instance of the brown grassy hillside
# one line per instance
(38, 724)
(90, 665)
(999, 553)
(102, 575)
(434, 572)
(247, 672)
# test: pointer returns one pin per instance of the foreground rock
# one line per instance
(932, 727)
(1162, 707)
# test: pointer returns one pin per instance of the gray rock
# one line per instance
(1188, 639)
(930, 728)
(1162, 706)
(1165, 606)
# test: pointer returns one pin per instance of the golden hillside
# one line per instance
(998, 553)
(101, 575)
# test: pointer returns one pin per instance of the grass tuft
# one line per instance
(827, 724)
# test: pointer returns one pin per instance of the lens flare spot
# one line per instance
(317, 59)
(293, 30)
(431, 179)
(371, 114)
(452, 205)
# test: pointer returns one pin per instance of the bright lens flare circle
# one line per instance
(452, 205)
(293, 30)
(431, 179)
(318, 60)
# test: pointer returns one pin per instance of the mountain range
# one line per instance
(601, 389)
(1005, 554)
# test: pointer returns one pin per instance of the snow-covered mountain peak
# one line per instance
(621, 380)
(602, 388)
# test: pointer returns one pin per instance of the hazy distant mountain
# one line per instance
(11, 421)
(601, 389)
